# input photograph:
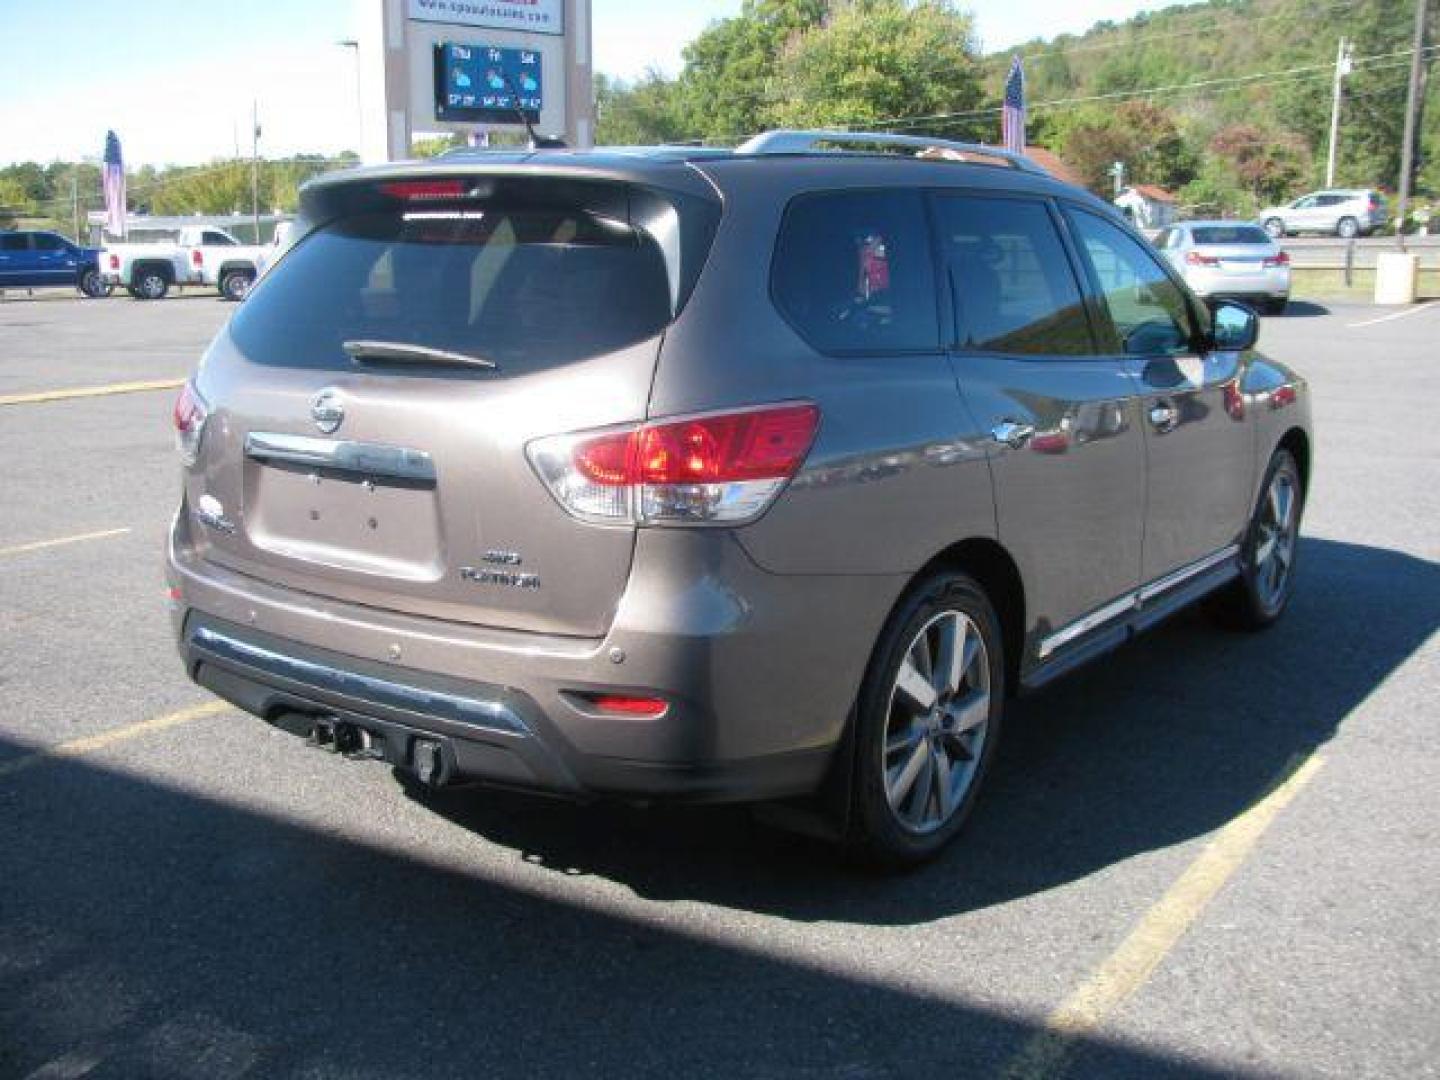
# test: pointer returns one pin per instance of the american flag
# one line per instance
(113, 180)
(1012, 114)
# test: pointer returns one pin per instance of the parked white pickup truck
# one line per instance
(198, 256)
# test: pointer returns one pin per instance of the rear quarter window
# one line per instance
(853, 272)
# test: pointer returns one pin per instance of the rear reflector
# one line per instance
(720, 468)
(626, 705)
(1282, 259)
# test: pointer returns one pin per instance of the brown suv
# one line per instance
(752, 474)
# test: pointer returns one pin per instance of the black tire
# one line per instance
(235, 284)
(878, 835)
(1347, 228)
(1251, 602)
(94, 286)
(1275, 228)
(150, 284)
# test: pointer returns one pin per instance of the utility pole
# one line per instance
(1412, 108)
(255, 169)
(75, 201)
(1342, 68)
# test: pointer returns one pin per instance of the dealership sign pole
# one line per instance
(474, 68)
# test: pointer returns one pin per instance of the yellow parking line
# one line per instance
(1047, 1054)
(91, 743)
(90, 391)
(41, 545)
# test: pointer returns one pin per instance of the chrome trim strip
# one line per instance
(1185, 573)
(490, 715)
(1130, 601)
(370, 459)
(1086, 623)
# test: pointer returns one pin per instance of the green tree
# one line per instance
(726, 86)
(638, 114)
(1267, 164)
(1142, 135)
(14, 201)
(878, 60)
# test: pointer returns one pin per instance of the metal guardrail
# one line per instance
(1358, 256)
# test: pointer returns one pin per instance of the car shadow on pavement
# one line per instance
(1301, 309)
(1162, 742)
(148, 929)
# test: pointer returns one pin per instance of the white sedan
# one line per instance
(1230, 259)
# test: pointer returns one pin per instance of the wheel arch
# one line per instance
(238, 266)
(987, 561)
(1298, 443)
(166, 270)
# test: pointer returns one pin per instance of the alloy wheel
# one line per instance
(936, 727)
(1275, 536)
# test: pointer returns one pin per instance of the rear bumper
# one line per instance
(759, 672)
(1273, 284)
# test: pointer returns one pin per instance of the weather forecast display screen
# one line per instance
(476, 82)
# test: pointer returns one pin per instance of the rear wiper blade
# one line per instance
(365, 351)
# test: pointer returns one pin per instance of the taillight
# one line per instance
(1281, 259)
(190, 415)
(721, 468)
(197, 257)
(114, 262)
(1197, 259)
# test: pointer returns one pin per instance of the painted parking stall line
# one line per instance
(61, 541)
(90, 744)
(41, 396)
(1047, 1054)
(1404, 314)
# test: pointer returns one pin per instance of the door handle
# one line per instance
(1012, 434)
(1164, 416)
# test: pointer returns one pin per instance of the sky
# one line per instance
(176, 78)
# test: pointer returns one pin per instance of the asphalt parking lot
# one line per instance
(1207, 855)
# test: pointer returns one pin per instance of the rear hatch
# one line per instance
(370, 404)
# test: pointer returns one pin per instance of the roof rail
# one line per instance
(810, 142)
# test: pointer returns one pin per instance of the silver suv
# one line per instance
(1338, 212)
(766, 474)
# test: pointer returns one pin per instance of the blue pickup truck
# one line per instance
(31, 259)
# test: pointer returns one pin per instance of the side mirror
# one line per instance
(1235, 327)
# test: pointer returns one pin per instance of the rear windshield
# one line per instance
(525, 288)
(1230, 234)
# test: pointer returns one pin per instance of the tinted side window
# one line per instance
(13, 242)
(48, 242)
(853, 272)
(1010, 279)
(215, 239)
(1149, 310)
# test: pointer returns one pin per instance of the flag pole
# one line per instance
(255, 168)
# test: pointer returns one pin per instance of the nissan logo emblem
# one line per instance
(326, 410)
